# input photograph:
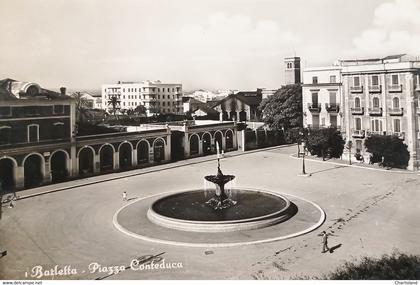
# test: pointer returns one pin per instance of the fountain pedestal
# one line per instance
(221, 200)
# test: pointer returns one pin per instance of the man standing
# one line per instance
(325, 247)
(124, 196)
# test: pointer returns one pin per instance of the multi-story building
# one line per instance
(378, 96)
(322, 97)
(156, 96)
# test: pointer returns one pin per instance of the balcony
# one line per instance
(357, 110)
(332, 107)
(315, 108)
(358, 134)
(375, 111)
(356, 89)
(400, 135)
(377, 133)
(395, 111)
(417, 87)
(375, 88)
(395, 88)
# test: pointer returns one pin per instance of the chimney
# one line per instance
(63, 90)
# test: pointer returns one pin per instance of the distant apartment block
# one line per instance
(365, 97)
(156, 96)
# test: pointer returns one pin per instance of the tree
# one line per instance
(114, 102)
(389, 151)
(326, 141)
(283, 110)
(140, 110)
(82, 106)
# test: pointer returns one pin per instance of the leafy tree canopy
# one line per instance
(389, 151)
(284, 108)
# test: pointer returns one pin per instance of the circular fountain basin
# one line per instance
(188, 211)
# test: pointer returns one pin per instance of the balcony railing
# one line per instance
(357, 110)
(375, 111)
(379, 133)
(332, 107)
(400, 135)
(356, 89)
(375, 88)
(395, 111)
(358, 133)
(314, 107)
(395, 88)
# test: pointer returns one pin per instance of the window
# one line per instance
(163, 103)
(358, 123)
(395, 103)
(168, 89)
(397, 125)
(357, 102)
(323, 122)
(5, 135)
(33, 133)
(356, 81)
(376, 125)
(375, 102)
(358, 146)
(314, 80)
(333, 79)
(58, 131)
(5, 111)
(394, 79)
(315, 121)
(158, 89)
(58, 109)
(375, 80)
(315, 98)
(333, 97)
(333, 121)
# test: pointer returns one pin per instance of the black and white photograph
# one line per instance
(209, 140)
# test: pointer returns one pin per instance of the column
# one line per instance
(96, 163)
(116, 160)
(47, 170)
(134, 157)
(20, 177)
(168, 147)
(74, 163)
(200, 147)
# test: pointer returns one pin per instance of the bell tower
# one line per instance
(292, 70)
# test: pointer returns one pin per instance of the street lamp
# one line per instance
(303, 155)
(349, 146)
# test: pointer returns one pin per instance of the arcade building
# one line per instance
(39, 143)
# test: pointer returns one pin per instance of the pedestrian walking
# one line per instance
(124, 196)
(325, 247)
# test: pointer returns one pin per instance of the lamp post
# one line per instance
(302, 151)
(303, 158)
(349, 146)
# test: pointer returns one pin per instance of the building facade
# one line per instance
(378, 96)
(322, 97)
(156, 96)
(292, 70)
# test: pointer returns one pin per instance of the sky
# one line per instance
(208, 44)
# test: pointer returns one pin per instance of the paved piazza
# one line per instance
(370, 213)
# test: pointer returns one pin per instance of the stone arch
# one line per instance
(218, 138)
(229, 139)
(143, 148)
(86, 160)
(194, 144)
(8, 166)
(159, 149)
(59, 163)
(206, 143)
(125, 153)
(33, 169)
(106, 157)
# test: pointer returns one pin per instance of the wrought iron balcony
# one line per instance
(316, 108)
(378, 133)
(357, 110)
(375, 111)
(395, 111)
(375, 88)
(395, 88)
(358, 134)
(400, 135)
(356, 89)
(332, 107)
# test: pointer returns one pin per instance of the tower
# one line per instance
(292, 70)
